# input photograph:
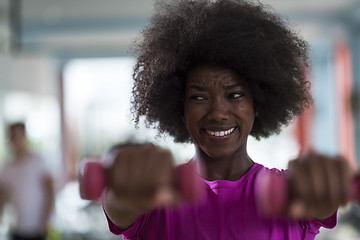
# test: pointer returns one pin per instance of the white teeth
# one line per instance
(220, 133)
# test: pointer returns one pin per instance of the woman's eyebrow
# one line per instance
(232, 86)
(196, 87)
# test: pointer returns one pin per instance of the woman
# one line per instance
(212, 73)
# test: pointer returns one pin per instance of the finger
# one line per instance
(119, 173)
(326, 187)
(159, 173)
(153, 172)
(122, 182)
(318, 180)
(128, 171)
(146, 169)
(166, 167)
(344, 182)
(300, 181)
(333, 180)
(299, 189)
(135, 168)
(148, 187)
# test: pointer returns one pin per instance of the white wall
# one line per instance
(29, 73)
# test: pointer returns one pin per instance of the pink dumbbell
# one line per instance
(93, 180)
(273, 195)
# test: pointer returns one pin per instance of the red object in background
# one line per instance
(303, 127)
(343, 86)
(345, 124)
(302, 131)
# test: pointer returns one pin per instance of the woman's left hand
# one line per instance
(319, 184)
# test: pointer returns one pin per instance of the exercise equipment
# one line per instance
(273, 193)
(93, 180)
(272, 196)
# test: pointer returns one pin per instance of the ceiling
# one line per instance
(70, 28)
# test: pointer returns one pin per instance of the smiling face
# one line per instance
(218, 111)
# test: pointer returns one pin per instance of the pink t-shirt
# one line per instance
(228, 212)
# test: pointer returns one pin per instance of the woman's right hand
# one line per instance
(141, 177)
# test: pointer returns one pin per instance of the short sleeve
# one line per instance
(313, 226)
(131, 233)
(329, 223)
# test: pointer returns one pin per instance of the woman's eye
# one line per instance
(236, 95)
(197, 98)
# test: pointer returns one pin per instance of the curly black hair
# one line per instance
(236, 34)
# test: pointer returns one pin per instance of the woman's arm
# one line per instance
(123, 217)
(139, 178)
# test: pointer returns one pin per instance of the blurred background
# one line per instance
(65, 70)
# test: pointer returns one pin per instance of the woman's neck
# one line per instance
(230, 168)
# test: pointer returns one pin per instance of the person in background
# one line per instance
(26, 183)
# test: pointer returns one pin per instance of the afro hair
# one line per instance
(236, 34)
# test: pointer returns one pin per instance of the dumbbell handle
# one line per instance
(273, 195)
(93, 180)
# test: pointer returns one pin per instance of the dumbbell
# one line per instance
(273, 193)
(93, 180)
(272, 188)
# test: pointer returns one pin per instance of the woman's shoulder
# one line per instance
(261, 168)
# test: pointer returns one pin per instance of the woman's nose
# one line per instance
(218, 110)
